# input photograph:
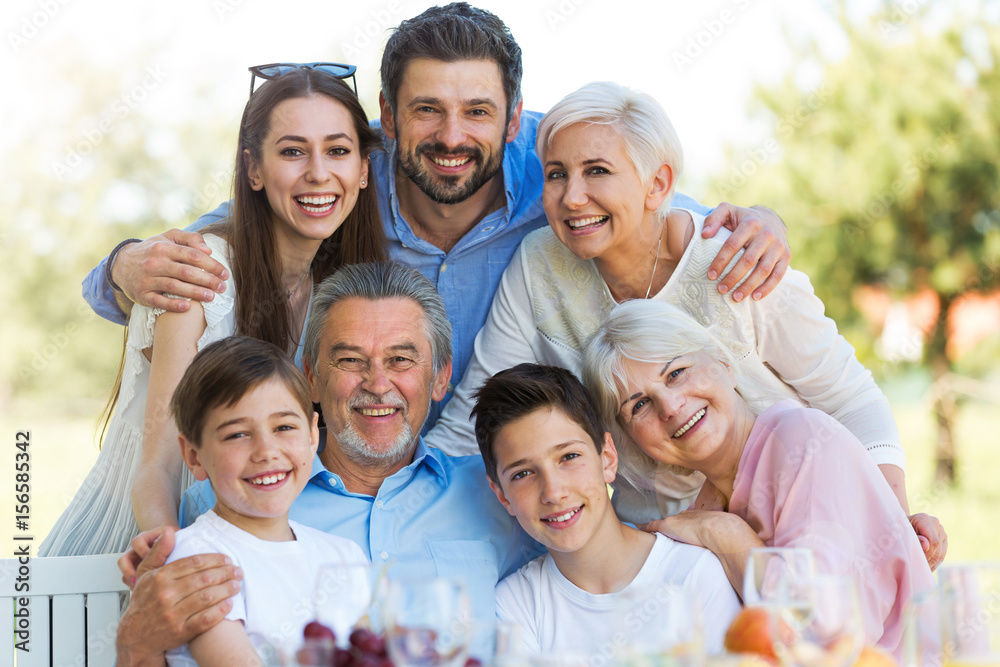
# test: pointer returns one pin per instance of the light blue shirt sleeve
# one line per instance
(683, 201)
(100, 295)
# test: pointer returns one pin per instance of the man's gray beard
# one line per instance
(358, 451)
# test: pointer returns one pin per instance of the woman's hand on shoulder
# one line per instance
(720, 532)
(763, 237)
(932, 536)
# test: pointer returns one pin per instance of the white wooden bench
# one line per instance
(73, 609)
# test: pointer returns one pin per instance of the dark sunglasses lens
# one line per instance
(273, 71)
(340, 71)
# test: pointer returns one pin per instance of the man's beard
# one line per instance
(360, 451)
(446, 189)
(357, 449)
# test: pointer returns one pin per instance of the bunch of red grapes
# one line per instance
(367, 649)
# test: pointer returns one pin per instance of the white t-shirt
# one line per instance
(557, 616)
(279, 578)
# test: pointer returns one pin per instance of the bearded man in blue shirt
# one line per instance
(459, 186)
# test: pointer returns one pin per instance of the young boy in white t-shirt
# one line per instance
(549, 461)
(246, 422)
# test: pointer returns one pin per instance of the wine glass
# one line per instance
(769, 569)
(428, 622)
(659, 624)
(817, 622)
(921, 645)
(970, 614)
(345, 596)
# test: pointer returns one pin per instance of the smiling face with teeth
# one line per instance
(310, 169)
(687, 412)
(554, 481)
(450, 126)
(375, 379)
(258, 454)
(594, 198)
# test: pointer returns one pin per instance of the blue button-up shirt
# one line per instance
(467, 276)
(435, 517)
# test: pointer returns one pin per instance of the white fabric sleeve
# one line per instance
(719, 603)
(803, 347)
(504, 341)
(514, 600)
(192, 545)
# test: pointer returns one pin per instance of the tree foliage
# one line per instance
(95, 163)
(886, 170)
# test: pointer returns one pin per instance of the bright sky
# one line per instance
(700, 59)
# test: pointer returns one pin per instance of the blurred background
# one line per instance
(872, 128)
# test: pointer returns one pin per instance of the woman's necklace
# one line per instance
(289, 293)
(655, 262)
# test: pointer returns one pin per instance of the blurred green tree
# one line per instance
(105, 156)
(885, 167)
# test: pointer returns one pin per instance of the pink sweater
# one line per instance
(805, 481)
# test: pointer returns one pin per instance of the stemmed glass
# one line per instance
(770, 569)
(817, 622)
(345, 597)
(660, 624)
(970, 614)
(428, 622)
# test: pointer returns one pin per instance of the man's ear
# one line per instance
(311, 377)
(253, 171)
(609, 455)
(500, 496)
(314, 434)
(191, 459)
(440, 386)
(660, 187)
(386, 118)
(514, 126)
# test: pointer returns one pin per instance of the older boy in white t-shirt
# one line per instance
(549, 461)
(246, 422)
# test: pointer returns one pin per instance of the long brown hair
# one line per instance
(262, 309)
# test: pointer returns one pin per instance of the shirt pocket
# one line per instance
(475, 563)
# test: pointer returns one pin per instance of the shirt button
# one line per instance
(444, 267)
(378, 504)
(384, 555)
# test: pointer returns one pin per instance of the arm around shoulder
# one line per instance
(169, 263)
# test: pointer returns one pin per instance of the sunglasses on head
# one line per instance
(274, 70)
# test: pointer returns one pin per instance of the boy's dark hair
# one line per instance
(454, 32)
(519, 391)
(223, 373)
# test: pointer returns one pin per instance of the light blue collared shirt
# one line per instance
(435, 517)
(467, 276)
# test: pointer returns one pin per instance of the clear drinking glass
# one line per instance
(428, 622)
(345, 597)
(770, 569)
(659, 625)
(817, 622)
(970, 614)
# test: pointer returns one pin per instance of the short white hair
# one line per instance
(646, 131)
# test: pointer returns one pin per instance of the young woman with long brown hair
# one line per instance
(303, 207)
